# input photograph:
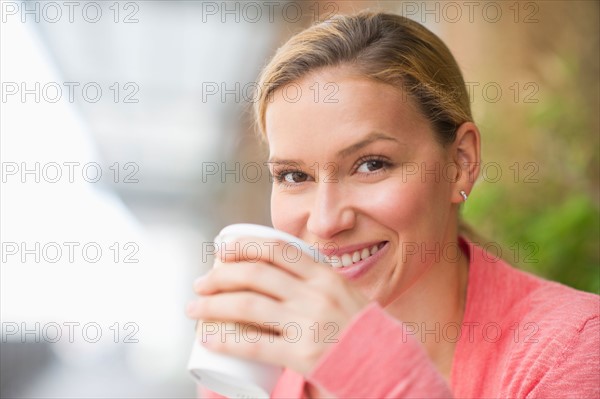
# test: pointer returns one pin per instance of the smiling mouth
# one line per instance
(350, 258)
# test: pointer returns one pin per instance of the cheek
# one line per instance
(285, 214)
(408, 206)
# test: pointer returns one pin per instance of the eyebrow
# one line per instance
(343, 153)
(371, 138)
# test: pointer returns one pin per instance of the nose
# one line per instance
(331, 212)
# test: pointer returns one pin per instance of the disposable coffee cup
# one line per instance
(228, 375)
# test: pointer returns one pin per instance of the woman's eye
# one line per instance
(294, 177)
(370, 166)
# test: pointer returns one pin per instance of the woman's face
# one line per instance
(357, 170)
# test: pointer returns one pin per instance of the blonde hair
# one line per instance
(386, 47)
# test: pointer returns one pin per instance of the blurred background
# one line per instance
(127, 143)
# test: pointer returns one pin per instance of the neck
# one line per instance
(434, 308)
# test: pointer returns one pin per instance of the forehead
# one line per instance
(335, 105)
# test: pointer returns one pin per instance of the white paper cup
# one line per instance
(227, 375)
(230, 376)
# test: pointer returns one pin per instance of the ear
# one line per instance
(466, 153)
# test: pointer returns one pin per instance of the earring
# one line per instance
(464, 195)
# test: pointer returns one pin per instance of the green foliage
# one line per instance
(558, 241)
(550, 224)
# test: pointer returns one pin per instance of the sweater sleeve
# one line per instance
(376, 358)
(203, 393)
(576, 373)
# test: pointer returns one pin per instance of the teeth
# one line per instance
(348, 259)
(365, 253)
(334, 261)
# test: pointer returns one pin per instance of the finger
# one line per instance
(263, 347)
(246, 307)
(259, 277)
(287, 256)
(236, 329)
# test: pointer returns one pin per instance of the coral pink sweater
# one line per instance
(521, 337)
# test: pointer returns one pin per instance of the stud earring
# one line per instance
(464, 195)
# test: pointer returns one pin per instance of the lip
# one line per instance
(357, 269)
(334, 250)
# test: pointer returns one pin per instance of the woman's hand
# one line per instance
(288, 308)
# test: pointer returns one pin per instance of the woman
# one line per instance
(371, 163)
